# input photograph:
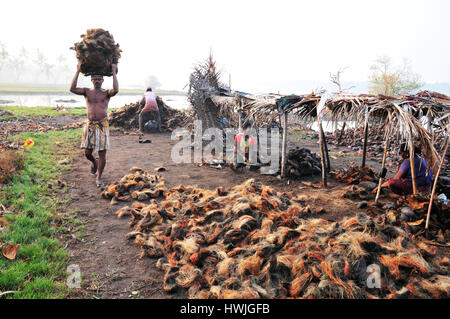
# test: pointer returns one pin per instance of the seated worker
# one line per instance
(401, 184)
(150, 108)
(242, 143)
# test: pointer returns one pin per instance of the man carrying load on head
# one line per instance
(150, 107)
(96, 130)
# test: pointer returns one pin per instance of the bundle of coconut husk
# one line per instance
(411, 212)
(97, 51)
(138, 185)
(354, 175)
(301, 162)
(250, 241)
(128, 116)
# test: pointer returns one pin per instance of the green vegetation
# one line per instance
(32, 111)
(39, 270)
(387, 80)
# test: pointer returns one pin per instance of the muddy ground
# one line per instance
(110, 266)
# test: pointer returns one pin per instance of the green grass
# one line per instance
(39, 270)
(34, 111)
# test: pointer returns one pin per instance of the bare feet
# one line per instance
(100, 182)
(94, 167)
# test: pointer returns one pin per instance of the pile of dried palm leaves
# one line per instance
(97, 51)
(128, 116)
(249, 241)
(204, 83)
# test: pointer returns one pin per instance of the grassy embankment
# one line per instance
(34, 111)
(38, 222)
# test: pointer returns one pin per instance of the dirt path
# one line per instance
(109, 264)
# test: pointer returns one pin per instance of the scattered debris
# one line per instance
(10, 251)
(10, 163)
(4, 112)
(355, 175)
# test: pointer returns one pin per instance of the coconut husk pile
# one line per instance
(301, 162)
(354, 175)
(5, 113)
(138, 185)
(353, 139)
(128, 116)
(250, 241)
(411, 213)
(97, 51)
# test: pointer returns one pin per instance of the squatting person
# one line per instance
(96, 130)
(150, 107)
(401, 184)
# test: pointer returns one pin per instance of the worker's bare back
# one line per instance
(97, 104)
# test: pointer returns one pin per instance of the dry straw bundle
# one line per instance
(97, 51)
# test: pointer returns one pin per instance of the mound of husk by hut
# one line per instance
(250, 241)
(97, 51)
(301, 162)
(128, 116)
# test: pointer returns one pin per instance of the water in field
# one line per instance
(71, 100)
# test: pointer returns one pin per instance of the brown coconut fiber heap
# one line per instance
(128, 116)
(97, 51)
(250, 241)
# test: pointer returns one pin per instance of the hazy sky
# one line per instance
(264, 45)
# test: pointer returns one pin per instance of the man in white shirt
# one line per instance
(150, 107)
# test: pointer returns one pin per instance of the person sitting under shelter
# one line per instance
(401, 184)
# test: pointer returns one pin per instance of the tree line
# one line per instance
(34, 66)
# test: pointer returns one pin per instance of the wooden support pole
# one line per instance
(342, 132)
(366, 134)
(413, 167)
(284, 146)
(322, 153)
(435, 183)
(325, 145)
(383, 163)
(240, 115)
